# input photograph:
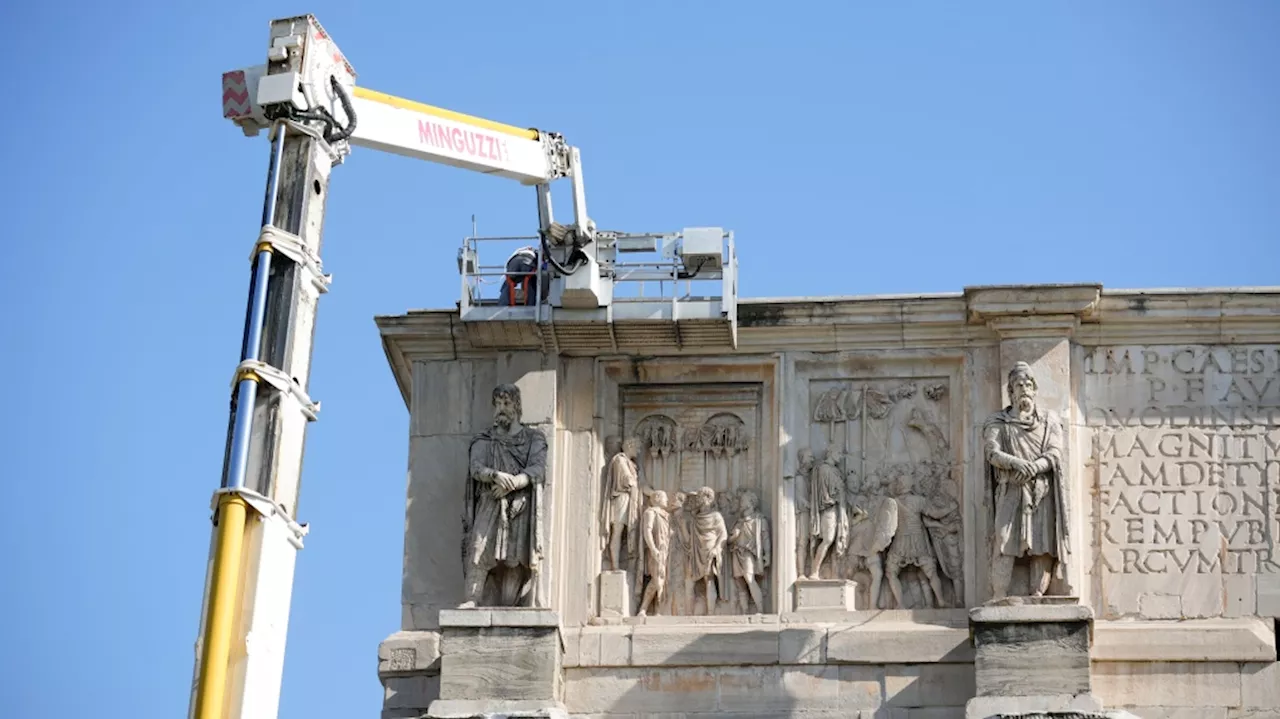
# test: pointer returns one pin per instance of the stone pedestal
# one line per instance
(615, 594)
(835, 594)
(1031, 658)
(500, 662)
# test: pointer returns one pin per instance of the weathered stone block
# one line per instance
(411, 692)
(465, 618)
(501, 663)
(615, 594)
(1241, 595)
(1042, 659)
(757, 689)
(860, 687)
(705, 645)
(615, 646)
(1268, 586)
(522, 617)
(1036, 613)
(1196, 640)
(925, 685)
(432, 568)
(988, 707)
(496, 709)
(1178, 712)
(802, 645)
(576, 395)
(1246, 713)
(409, 652)
(1260, 685)
(898, 642)
(572, 639)
(642, 691)
(837, 594)
(1188, 684)
(443, 398)
(536, 379)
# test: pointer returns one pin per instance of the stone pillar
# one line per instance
(1035, 324)
(500, 663)
(1031, 657)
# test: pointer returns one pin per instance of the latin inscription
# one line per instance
(1185, 459)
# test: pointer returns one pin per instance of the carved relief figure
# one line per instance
(681, 598)
(943, 521)
(751, 546)
(655, 550)
(708, 539)
(727, 505)
(801, 491)
(621, 505)
(829, 523)
(502, 511)
(875, 520)
(1022, 445)
(910, 545)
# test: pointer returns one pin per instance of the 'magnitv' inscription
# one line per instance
(1185, 458)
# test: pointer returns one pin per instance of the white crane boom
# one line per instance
(306, 97)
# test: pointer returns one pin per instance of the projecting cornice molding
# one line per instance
(1014, 311)
(980, 316)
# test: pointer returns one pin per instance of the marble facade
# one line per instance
(856, 425)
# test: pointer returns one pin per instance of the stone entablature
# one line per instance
(914, 456)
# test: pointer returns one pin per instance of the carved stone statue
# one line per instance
(655, 550)
(621, 505)
(502, 511)
(1023, 445)
(910, 545)
(804, 469)
(829, 522)
(751, 545)
(707, 545)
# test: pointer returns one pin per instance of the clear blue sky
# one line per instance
(853, 148)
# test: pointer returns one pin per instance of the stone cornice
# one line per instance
(1020, 309)
(979, 316)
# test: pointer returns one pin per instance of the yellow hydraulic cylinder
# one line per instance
(400, 102)
(223, 596)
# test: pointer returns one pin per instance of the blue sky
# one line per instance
(854, 148)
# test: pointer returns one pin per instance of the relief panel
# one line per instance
(878, 491)
(702, 539)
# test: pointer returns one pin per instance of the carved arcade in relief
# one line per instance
(703, 544)
(883, 501)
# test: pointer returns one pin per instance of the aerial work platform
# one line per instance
(669, 291)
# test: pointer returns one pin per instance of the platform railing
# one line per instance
(633, 282)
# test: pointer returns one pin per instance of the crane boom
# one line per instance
(306, 97)
(414, 129)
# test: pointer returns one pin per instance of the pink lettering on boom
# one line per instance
(467, 142)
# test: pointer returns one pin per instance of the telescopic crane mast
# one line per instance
(306, 97)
